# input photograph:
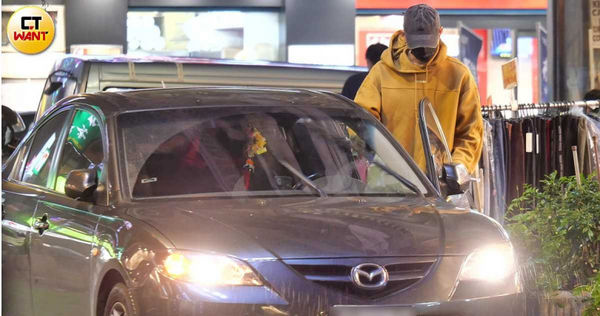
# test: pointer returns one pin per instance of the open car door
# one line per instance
(449, 178)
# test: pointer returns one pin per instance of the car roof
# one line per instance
(204, 61)
(112, 103)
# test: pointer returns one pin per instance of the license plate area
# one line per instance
(367, 310)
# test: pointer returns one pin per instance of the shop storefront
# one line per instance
(240, 34)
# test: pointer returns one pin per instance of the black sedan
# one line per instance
(229, 201)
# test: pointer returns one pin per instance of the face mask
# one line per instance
(424, 54)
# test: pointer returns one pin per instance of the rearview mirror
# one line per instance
(81, 184)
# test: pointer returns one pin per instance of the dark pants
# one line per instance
(556, 151)
(529, 135)
(540, 153)
(570, 130)
(516, 161)
(499, 177)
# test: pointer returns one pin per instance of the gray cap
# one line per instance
(421, 26)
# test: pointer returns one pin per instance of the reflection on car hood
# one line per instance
(299, 227)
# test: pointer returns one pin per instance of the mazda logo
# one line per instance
(369, 276)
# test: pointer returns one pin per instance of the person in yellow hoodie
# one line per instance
(416, 66)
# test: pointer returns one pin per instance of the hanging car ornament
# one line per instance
(256, 146)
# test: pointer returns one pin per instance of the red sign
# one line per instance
(482, 66)
(456, 4)
(367, 38)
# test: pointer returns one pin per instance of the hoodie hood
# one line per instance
(396, 56)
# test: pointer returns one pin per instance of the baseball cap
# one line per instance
(421, 26)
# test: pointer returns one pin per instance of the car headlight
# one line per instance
(209, 270)
(492, 263)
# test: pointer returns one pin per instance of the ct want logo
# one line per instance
(370, 276)
(30, 30)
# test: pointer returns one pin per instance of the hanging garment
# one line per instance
(584, 147)
(540, 149)
(525, 150)
(556, 148)
(516, 165)
(529, 133)
(499, 164)
(548, 168)
(569, 139)
(487, 169)
(588, 141)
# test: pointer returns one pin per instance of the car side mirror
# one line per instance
(81, 184)
(456, 178)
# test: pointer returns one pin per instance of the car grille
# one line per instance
(335, 274)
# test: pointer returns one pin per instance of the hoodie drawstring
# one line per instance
(416, 101)
(417, 80)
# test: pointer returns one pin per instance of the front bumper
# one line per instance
(289, 293)
(512, 304)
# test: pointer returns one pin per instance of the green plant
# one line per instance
(556, 232)
(593, 290)
(594, 308)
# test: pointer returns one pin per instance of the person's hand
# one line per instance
(463, 174)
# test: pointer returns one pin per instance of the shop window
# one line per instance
(226, 34)
(528, 69)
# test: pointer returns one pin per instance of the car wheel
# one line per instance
(120, 302)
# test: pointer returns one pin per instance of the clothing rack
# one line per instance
(592, 105)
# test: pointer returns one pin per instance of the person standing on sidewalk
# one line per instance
(416, 66)
(373, 55)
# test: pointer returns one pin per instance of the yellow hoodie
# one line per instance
(394, 87)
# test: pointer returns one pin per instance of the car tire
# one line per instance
(120, 302)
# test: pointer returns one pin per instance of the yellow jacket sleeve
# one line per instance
(369, 93)
(468, 137)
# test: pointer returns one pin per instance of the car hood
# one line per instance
(289, 228)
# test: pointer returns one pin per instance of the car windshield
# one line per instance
(261, 151)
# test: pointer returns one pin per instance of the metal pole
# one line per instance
(587, 104)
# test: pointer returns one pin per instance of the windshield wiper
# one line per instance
(400, 178)
(302, 177)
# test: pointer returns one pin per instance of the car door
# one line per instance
(61, 249)
(437, 155)
(18, 206)
(20, 195)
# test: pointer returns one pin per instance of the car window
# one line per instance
(14, 165)
(261, 151)
(82, 148)
(43, 149)
(368, 165)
